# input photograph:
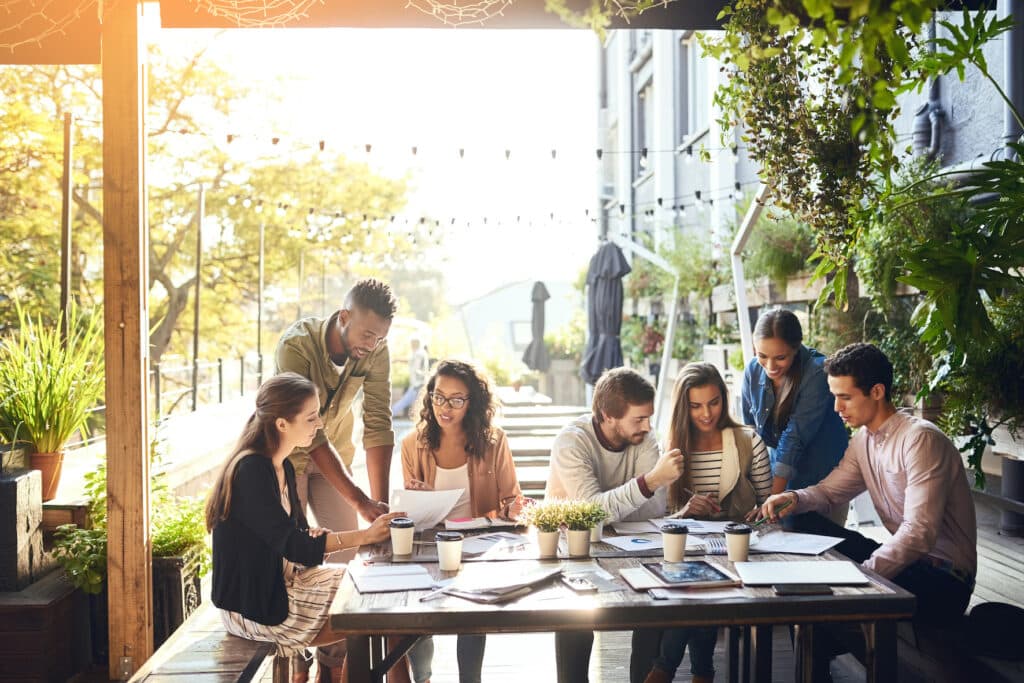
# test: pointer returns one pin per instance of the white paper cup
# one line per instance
(402, 531)
(449, 550)
(673, 540)
(737, 541)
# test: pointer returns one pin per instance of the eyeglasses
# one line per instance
(456, 402)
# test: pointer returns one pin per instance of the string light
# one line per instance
(39, 21)
(257, 13)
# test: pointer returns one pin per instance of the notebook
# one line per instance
(831, 572)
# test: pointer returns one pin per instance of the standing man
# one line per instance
(419, 366)
(611, 456)
(916, 480)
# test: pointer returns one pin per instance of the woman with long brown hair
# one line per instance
(455, 445)
(269, 577)
(726, 475)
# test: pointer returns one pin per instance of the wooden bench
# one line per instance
(201, 651)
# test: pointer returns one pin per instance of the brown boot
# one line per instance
(658, 676)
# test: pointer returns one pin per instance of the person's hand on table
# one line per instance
(516, 508)
(379, 529)
(753, 515)
(701, 505)
(417, 485)
(778, 506)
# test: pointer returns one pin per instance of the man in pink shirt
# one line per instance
(916, 479)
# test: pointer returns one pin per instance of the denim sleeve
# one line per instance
(812, 406)
(747, 397)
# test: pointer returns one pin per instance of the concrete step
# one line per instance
(566, 413)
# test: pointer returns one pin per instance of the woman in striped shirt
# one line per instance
(726, 475)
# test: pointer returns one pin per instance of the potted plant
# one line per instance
(547, 518)
(51, 377)
(181, 557)
(581, 517)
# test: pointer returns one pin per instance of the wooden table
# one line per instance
(554, 607)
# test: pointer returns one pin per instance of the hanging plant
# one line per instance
(813, 84)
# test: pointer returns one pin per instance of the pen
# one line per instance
(779, 509)
(433, 594)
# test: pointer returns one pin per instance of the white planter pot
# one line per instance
(547, 543)
(579, 543)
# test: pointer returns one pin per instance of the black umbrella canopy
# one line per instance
(604, 311)
(536, 354)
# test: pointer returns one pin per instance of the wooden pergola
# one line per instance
(112, 38)
(108, 32)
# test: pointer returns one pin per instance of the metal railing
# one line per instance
(179, 389)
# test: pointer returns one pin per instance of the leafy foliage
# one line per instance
(551, 515)
(568, 341)
(50, 379)
(545, 515)
(779, 248)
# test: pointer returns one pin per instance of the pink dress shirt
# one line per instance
(916, 480)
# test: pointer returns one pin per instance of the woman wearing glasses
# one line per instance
(455, 446)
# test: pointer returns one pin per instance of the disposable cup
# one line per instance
(449, 550)
(402, 531)
(737, 541)
(673, 540)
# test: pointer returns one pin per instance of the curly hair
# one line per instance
(480, 409)
(371, 294)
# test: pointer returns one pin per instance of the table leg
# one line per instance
(746, 654)
(734, 655)
(761, 645)
(880, 651)
(804, 653)
(358, 659)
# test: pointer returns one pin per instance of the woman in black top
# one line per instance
(269, 577)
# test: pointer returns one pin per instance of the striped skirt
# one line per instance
(310, 593)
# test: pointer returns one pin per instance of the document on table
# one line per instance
(793, 542)
(831, 572)
(695, 526)
(425, 508)
(377, 578)
(644, 527)
(472, 523)
(474, 545)
(637, 542)
(492, 584)
(688, 594)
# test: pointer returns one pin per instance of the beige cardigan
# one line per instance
(493, 485)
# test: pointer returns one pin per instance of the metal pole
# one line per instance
(195, 321)
(241, 375)
(302, 277)
(323, 288)
(156, 389)
(259, 296)
(739, 281)
(220, 380)
(65, 229)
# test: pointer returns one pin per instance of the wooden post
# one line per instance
(126, 319)
(65, 228)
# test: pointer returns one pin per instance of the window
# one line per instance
(644, 124)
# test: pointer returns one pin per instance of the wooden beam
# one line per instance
(125, 277)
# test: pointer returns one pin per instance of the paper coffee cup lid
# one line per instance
(737, 528)
(448, 536)
(674, 528)
(402, 523)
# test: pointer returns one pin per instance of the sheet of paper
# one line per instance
(831, 572)
(691, 594)
(793, 542)
(644, 527)
(695, 526)
(376, 578)
(635, 542)
(478, 523)
(474, 545)
(425, 508)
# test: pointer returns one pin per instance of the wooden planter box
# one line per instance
(176, 593)
(562, 382)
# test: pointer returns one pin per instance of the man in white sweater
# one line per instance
(611, 456)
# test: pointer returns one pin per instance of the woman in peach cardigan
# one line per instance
(455, 446)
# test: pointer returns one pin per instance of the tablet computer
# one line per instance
(690, 574)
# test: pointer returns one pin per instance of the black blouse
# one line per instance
(250, 545)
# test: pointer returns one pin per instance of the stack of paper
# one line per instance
(470, 523)
(425, 508)
(377, 578)
(500, 584)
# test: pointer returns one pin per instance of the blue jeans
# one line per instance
(404, 403)
(702, 650)
(469, 650)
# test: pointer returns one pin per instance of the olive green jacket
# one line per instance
(303, 349)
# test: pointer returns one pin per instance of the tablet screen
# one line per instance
(686, 573)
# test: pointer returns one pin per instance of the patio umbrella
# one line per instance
(604, 311)
(536, 354)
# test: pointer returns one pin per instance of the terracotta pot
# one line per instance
(579, 542)
(49, 465)
(547, 542)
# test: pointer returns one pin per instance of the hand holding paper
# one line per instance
(426, 508)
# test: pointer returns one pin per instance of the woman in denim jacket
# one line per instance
(787, 401)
